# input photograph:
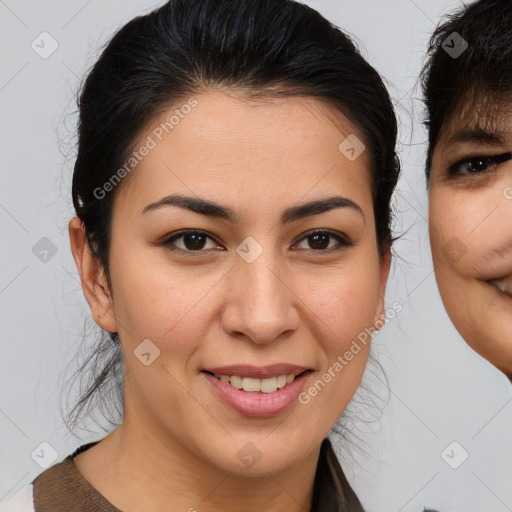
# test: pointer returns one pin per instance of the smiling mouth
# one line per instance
(253, 385)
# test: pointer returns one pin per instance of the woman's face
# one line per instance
(253, 294)
(471, 231)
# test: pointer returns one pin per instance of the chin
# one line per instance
(254, 456)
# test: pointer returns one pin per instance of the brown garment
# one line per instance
(62, 488)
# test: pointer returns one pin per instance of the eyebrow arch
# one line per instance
(211, 209)
(477, 134)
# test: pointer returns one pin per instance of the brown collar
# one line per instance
(63, 488)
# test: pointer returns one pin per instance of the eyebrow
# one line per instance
(212, 209)
(477, 134)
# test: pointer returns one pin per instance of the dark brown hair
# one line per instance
(454, 84)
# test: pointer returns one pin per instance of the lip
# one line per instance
(258, 372)
(257, 404)
(502, 277)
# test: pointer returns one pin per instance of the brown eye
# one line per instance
(192, 241)
(320, 241)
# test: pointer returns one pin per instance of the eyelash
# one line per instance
(488, 160)
(343, 242)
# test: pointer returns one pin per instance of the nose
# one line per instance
(261, 305)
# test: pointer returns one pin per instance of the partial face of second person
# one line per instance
(302, 301)
(470, 226)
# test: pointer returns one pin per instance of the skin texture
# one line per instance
(178, 443)
(470, 217)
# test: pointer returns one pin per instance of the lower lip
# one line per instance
(258, 404)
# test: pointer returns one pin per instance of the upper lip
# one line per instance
(502, 277)
(256, 372)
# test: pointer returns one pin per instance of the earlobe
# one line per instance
(92, 277)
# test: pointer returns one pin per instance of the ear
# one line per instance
(92, 277)
(385, 264)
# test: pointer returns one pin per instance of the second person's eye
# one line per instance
(478, 164)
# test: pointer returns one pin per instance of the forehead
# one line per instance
(231, 118)
(228, 142)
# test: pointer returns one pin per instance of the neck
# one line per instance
(138, 470)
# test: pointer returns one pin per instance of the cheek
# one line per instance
(342, 319)
(449, 216)
(154, 300)
(468, 232)
(343, 304)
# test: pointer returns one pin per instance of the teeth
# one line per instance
(281, 381)
(500, 285)
(504, 285)
(236, 381)
(251, 385)
(269, 385)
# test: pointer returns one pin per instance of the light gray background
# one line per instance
(440, 390)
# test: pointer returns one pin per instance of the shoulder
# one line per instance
(56, 485)
(62, 487)
(22, 501)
